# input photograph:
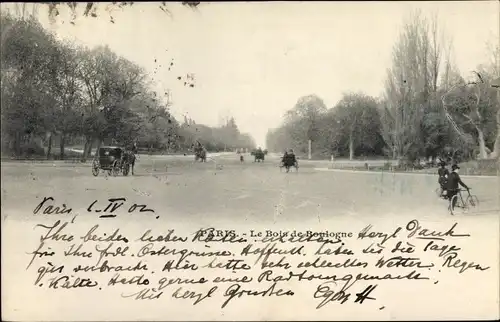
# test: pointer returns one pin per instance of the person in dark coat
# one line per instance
(291, 157)
(283, 159)
(453, 183)
(443, 174)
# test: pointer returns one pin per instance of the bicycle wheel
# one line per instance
(453, 201)
(465, 206)
(472, 201)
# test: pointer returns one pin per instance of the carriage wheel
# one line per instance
(95, 168)
(126, 169)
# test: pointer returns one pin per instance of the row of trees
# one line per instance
(350, 128)
(54, 92)
(226, 137)
(429, 109)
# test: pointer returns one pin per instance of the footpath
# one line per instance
(377, 167)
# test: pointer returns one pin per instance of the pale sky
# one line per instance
(254, 60)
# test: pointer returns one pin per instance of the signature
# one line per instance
(327, 294)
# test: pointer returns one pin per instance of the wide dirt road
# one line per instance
(246, 197)
(224, 189)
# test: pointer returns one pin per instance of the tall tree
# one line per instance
(69, 95)
(359, 121)
(411, 86)
(27, 60)
(303, 119)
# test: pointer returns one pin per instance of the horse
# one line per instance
(201, 155)
(259, 155)
(129, 157)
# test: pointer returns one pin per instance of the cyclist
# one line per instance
(284, 157)
(453, 183)
(289, 160)
(443, 174)
(291, 156)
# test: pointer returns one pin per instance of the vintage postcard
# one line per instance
(250, 161)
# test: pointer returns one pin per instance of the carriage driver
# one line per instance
(285, 155)
(289, 158)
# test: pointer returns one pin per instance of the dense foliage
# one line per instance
(55, 93)
(428, 110)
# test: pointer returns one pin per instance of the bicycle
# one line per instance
(458, 200)
(439, 192)
(288, 166)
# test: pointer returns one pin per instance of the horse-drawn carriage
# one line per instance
(288, 161)
(200, 154)
(111, 159)
(259, 155)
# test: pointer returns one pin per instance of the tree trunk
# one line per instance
(85, 148)
(309, 149)
(89, 152)
(99, 143)
(496, 148)
(17, 144)
(61, 146)
(482, 145)
(49, 148)
(351, 148)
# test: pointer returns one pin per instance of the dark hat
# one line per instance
(454, 167)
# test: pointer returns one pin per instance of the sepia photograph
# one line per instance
(250, 161)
